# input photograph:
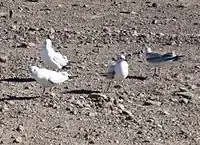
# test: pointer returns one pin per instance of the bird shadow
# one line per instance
(81, 91)
(17, 98)
(19, 80)
(142, 78)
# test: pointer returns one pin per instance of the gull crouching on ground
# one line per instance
(158, 59)
(51, 58)
(48, 78)
(117, 70)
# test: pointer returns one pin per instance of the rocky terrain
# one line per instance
(141, 110)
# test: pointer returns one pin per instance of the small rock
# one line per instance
(1, 142)
(187, 95)
(60, 5)
(52, 30)
(33, 0)
(20, 128)
(81, 67)
(120, 106)
(74, 111)
(150, 102)
(18, 140)
(125, 111)
(4, 108)
(106, 29)
(116, 141)
(193, 87)
(134, 13)
(3, 58)
(98, 95)
(77, 102)
(155, 5)
(161, 34)
(85, 6)
(173, 43)
(10, 102)
(3, 14)
(31, 44)
(154, 21)
(184, 100)
(91, 114)
(118, 86)
(182, 89)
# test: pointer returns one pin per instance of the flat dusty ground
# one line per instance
(142, 110)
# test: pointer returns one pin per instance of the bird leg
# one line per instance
(155, 72)
(108, 86)
(51, 89)
(51, 92)
(43, 90)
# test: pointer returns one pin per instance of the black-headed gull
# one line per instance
(51, 58)
(157, 58)
(118, 70)
(48, 78)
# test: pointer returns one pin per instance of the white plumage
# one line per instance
(118, 70)
(53, 59)
(48, 78)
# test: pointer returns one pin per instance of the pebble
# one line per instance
(20, 128)
(3, 58)
(184, 100)
(150, 102)
(182, 89)
(154, 21)
(116, 141)
(18, 140)
(155, 5)
(98, 95)
(10, 102)
(187, 95)
(106, 29)
(31, 44)
(4, 108)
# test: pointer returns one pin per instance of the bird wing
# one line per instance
(153, 55)
(111, 70)
(59, 59)
(57, 77)
(169, 56)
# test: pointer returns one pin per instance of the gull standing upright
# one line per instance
(51, 58)
(157, 58)
(118, 70)
(48, 78)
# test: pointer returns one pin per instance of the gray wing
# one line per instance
(111, 70)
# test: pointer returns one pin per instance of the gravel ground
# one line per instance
(141, 110)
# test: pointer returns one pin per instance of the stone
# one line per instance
(150, 102)
(98, 95)
(20, 128)
(187, 95)
(155, 5)
(3, 58)
(18, 140)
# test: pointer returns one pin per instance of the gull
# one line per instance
(51, 58)
(48, 78)
(157, 59)
(117, 70)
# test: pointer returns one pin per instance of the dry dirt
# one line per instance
(142, 110)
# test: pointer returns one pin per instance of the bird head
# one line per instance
(121, 57)
(33, 69)
(142, 53)
(148, 49)
(48, 44)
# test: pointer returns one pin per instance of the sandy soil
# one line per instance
(142, 110)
